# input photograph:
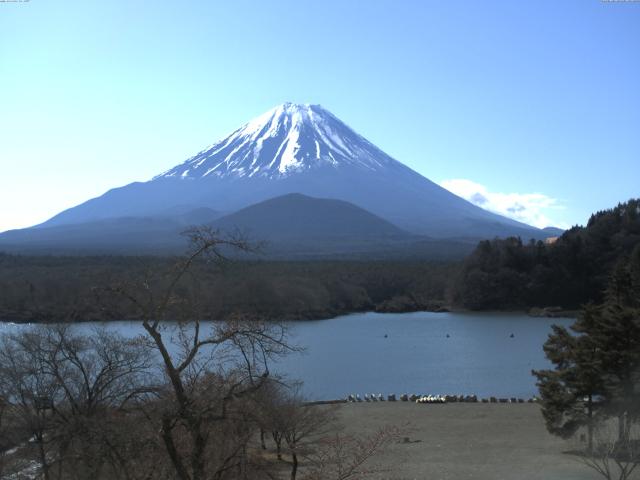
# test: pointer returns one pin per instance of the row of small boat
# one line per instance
(373, 397)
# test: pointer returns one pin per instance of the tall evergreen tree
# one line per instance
(568, 392)
(615, 329)
(597, 368)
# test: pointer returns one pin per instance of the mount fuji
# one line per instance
(293, 149)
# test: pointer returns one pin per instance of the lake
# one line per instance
(410, 353)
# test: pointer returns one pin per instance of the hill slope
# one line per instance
(299, 217)
(159, 234)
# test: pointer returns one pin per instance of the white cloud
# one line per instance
(530, 208)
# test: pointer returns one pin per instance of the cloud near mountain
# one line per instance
(530, 208)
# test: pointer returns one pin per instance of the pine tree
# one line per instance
(618, 331)
(615, 329)
(597, 367)
(568, 392)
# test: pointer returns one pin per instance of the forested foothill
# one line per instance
(500, 274)
(570, 272)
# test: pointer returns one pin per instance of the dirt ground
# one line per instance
(466, 441)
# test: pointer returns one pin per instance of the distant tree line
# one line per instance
(53, 289)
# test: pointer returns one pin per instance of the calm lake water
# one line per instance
(410, 353)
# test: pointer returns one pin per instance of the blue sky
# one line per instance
(533, 105)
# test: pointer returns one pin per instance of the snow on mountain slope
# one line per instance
(288, 139)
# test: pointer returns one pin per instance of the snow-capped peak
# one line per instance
(287, 139)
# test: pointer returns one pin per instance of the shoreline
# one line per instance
(534, 312)
(424, 398)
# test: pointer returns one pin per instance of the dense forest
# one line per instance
(45, 289)
(572, 271)
(499, 274)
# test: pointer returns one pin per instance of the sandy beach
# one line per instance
(466, 441)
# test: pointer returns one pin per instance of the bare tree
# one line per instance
(345, 457)
(613, 457)
(24, 389)
(293, 423)
(302, 425)
(5, 436)
(207, 367)
(64, 390)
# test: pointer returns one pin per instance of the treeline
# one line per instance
(507, 273)
(52, 289)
